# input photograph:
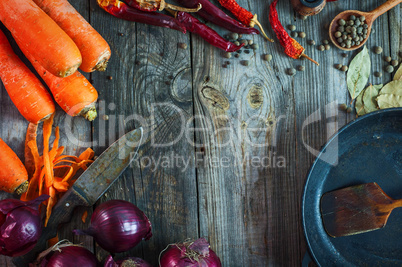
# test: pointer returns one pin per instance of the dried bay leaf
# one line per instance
(358, 73)
(369, 97)
(359, 106)
(398, 73)
(390, 95)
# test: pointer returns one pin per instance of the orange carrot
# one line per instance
(74, 94)
(41, 36)
(25, 90)
(94, 49)
(84, 216)
(13, 175)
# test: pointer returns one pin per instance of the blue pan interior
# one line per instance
(369, 149)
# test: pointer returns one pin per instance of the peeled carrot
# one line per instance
(74, 94)
(94, 49)
(41, 36)
(13, 175)
(25, 90)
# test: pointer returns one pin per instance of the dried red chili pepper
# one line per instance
(292, 48)
(123, 11)
(242, 14)
(195, 26)
(213, 14)
(158, 5)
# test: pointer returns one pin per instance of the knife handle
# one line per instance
(61, 213)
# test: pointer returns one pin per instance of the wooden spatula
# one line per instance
(356, 209)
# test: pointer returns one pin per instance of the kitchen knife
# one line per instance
(88, 188)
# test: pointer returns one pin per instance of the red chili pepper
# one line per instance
(158, 5)
(242, 14)
(292, 48)
(123, 11)
(213, 14)
(195, 26)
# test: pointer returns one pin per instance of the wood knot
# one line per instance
(216, 98)
(255, 97)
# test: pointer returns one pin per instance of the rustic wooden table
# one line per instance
(227, 149)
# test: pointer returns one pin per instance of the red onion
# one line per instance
(126, 262)
(118, 226)
(66, 254)
(21, 225)
(190, 254)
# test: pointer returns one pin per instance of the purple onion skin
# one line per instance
(72, 256)
(21, 225)
(134, 261)
(176, 256)
(118, 226)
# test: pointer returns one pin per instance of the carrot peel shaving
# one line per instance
(43, 180)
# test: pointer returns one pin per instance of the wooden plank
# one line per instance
(151, 79)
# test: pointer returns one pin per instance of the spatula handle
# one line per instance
(384, 8)
(397, 204)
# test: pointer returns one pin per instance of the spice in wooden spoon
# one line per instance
(369, 18)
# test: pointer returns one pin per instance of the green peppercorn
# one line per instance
(303, 17)
(182, 45)
(267, 57)
(300, 68)
(338, 34)
(237, 55)
(237, 43)
(394, 62)
(293, 34)
(321, 48)
(343, 107)
(340, 40)
(341, 22)
(387, 59)
(245, 42)
(349, 110)
(377, 49)
(362, 18)
(357, 43)
(365, 26)
(389, 69)
(338, 66)
(234, 36)
(291, 71)
(343, 45)
(351, 22)
(227, 55)
(311, 42)
(327, 47)
(344, 55)
(344, 68)
(377, 74)
(302, 34)
(240, 35)
(292, 27)
(245, 62)
(250, 42)
(352, 17)
(358, 22)
(344, 37)
(254, 46)
(341, 28)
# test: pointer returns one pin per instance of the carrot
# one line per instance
(74, 94)
(29, 157)
(25, 90)
(41, 36)
(94, 49)
(13, 175)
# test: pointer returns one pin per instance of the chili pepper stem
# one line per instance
(178, 8)
(309, 58)
(254, 21)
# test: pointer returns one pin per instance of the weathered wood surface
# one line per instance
(241, 138)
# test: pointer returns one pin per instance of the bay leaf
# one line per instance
(390, 95)
(369, 97)
(398, 73)
(359, 106)
(358, 73)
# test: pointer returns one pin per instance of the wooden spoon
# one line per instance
(370, 17)
(356, 209)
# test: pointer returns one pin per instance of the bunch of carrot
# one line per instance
(57, 40)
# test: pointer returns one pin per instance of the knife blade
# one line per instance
(88, 188)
